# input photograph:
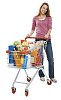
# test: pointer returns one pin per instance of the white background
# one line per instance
(15, 22)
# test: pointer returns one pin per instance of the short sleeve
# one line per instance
(50, 22)
(34, 23)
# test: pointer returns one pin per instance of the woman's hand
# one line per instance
(28, 35)
(46, 36)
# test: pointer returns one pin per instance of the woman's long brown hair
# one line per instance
(48, 11)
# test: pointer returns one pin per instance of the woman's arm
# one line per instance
(33, 27)
(32, 31)
(48, 34)
(49, 31)
(49, 27)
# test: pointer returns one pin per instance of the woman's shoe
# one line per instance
(54, 80)
(42, 79)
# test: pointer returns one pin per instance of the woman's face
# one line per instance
(44, 9)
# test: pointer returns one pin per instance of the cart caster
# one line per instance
(13, 90)
(28, 79)
(49, 82)
(26, 93)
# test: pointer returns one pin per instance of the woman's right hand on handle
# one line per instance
(28, 35)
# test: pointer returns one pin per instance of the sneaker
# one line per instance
(42, 79)
(54, 80)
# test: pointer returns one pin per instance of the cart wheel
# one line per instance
(26, 92)
(49, 82)
(13, 90)
(28, 79)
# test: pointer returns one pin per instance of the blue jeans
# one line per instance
(49, 54)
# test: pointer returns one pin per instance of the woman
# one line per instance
(43, 25)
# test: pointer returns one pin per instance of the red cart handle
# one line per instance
(41, 38)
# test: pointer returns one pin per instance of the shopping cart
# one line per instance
(19, 60)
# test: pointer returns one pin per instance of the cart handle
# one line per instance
(41, 38)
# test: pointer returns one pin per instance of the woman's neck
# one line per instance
(42, 16)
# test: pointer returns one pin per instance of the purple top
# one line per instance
(42, 26)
